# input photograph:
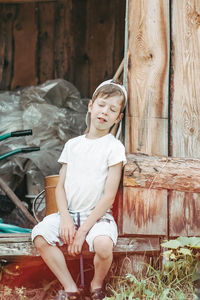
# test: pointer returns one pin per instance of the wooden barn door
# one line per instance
(163, 116)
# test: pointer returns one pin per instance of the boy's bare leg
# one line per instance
(103, 247)
(55, 260)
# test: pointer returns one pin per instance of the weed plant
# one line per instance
(175, 279)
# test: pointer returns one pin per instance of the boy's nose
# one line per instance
(105, 110)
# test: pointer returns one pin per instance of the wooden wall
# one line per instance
(81, 41)
(163, 116)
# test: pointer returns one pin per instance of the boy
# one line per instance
(88, 183)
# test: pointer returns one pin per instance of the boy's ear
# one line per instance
(119, 118)
(90, 105)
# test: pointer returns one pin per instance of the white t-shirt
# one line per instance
(88, 161)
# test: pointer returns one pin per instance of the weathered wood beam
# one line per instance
(156, 172)
(25, 1)
(19, 246)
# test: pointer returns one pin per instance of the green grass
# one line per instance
(174, 280)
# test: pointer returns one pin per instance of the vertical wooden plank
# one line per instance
(117, 209)
(185, 114)
(119, 34)
(2, 41)
(193, 217)
(7, 15)
(46, 12)
(148, 77)
(100, 31)
(63, 40)
(80, 57)
(25, 43)
(145, 212)
(184, 214)
(185, 122)
(177, 214)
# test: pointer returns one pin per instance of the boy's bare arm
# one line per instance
(111, 187)
(67, 228)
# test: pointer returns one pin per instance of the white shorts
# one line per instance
(48, 228)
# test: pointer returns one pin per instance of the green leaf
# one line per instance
(166, 254)
(173, 244)
(164, 294)
(184, 240)
(131, 296)
(180, 295)
(169, 265)
(195, 246)
(149, 294)
(195, 276)
(185, 251)
(193, 241)
(172, 256)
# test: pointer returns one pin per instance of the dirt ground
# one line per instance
(31, 279)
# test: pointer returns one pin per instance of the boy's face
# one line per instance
(105, 112)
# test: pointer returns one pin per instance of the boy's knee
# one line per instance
(40, 243)
(103, 246)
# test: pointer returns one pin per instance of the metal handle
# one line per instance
(21, 132)
(30, 149)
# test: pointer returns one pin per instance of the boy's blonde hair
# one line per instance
(110, 89)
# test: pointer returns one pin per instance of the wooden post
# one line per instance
(185, 123)
(147, 122)
(147, 117)
(144, 211)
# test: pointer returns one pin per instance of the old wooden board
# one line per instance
(18, 246)
(79, 41)
(185, 122)
(46, 34)
(144, 211)
(158, 172)
(24, 1)
(184, 214)
(25, 42)
(185, 115)
(101, 29)
(147, 119)
(7, 16)
(64, 41)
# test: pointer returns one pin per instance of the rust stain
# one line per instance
(193, 202)
(142, 205)
(177, 215)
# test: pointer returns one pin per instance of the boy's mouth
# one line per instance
(102, 120)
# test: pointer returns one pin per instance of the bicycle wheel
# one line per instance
(39, 206)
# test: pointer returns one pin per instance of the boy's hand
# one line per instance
(67, 230)
(76, 246)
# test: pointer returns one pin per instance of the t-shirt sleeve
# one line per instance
(117, 154)
(64, 157)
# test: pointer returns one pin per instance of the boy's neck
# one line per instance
(96, 134)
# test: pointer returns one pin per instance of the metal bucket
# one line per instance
(50, 187)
